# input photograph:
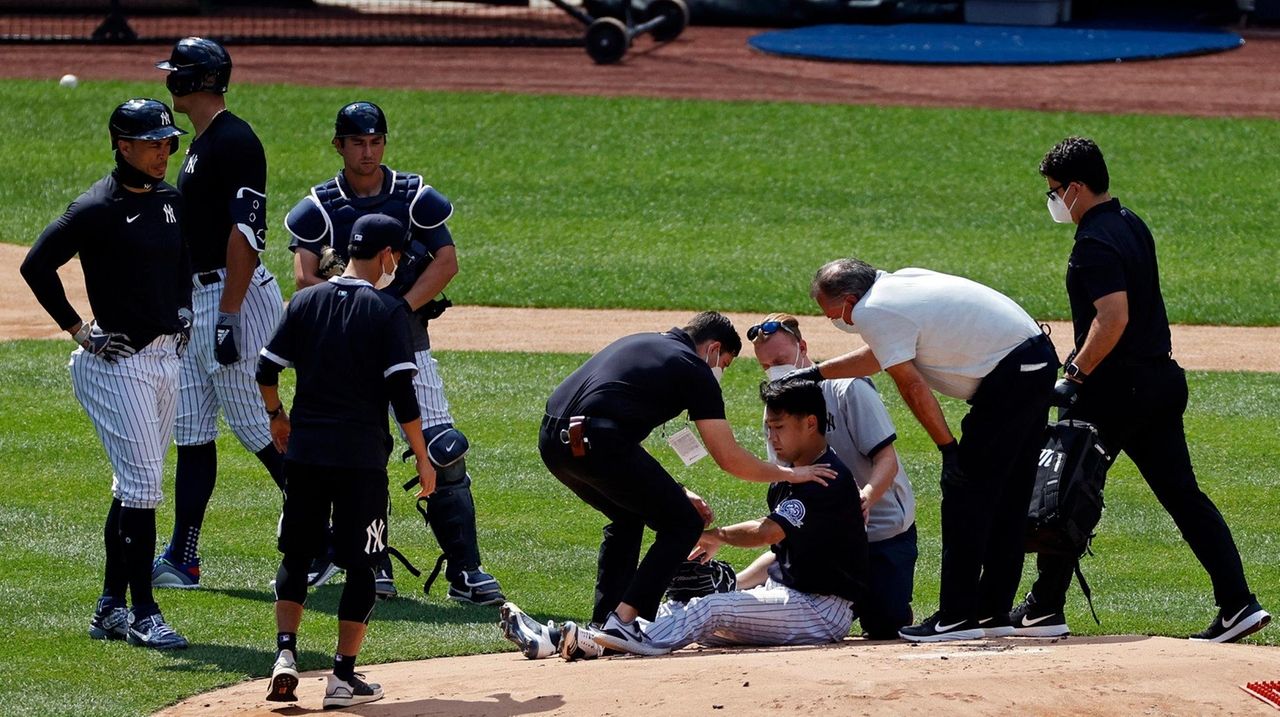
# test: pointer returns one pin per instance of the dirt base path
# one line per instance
(1121, 675)
(486, 328)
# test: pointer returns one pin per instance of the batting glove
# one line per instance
(110, 347)
(185, 319)
(226, 338)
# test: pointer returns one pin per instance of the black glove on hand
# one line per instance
(226, 339)
(804, 374)
(107, 345)
(1065, 393)
(951, 471)
(185, 318)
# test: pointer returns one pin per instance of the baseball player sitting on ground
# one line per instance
(321, 228)
(125, 374)
(237, 302)
(861, 433)
(349, 345)
(804, 591)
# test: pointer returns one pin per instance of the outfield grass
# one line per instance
(591, 202)
(535, 536)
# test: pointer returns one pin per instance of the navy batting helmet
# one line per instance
(144, 119)
(197, 65)
(358, 119)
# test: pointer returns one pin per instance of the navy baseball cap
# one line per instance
(374, 232)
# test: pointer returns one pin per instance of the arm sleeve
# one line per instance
(1100, 269)
(248, 205)
(404, 402)
(57, 244)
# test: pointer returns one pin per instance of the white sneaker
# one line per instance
(284, 678)
(578, 643)
(342, 693)
(534, 640)
(626, 637)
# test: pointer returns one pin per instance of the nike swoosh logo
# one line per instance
(1228, 623)
(129, 220)
(451, 445)
(1028, 622)
(940, 628)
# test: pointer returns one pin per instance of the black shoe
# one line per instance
(939, 628)
(476, 587)
(321, 571)
(996, 626)
(1231, 626)
(1031, 620)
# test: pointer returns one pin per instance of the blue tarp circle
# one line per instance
(954, 44)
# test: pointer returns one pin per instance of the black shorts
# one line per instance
(357, 500)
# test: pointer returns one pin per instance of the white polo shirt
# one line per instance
(956, 330)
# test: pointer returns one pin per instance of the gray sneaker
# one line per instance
(284, 678)
(343, 693)
(626, 637)
(534, 640)
(110, 624)
(152, 631)
(577, 643)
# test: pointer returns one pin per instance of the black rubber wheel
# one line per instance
(676, 14)
(607, 40)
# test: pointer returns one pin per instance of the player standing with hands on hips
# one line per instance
(237, 302)
(127, 231)
(321, 225)
(349, 344)
(1122, 378)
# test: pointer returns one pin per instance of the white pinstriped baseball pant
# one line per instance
(771, 614)
(429, 388)
(131, 403)
(207, 386)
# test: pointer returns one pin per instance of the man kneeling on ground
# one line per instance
(802, 592)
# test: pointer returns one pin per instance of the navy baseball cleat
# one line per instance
(344, 693)
(321, 571)
(167, 574)
(109, 623)
(152, 631)
(534, 640)
(476, 587)
(284, 678)
(939, 628)
(1236, 624)
(626, 637)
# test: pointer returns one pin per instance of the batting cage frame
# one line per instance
(611, 25)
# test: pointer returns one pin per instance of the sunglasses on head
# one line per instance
(766, 329)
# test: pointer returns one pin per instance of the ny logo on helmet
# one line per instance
(164, 119)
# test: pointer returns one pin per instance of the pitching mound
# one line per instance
(1073, 676)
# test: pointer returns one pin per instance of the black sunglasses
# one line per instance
(1060, 188)
(767, 328)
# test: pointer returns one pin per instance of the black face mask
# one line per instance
(131, 176)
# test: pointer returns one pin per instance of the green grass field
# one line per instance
(591, 202)
(535, 536)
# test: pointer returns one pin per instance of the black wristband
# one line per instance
(275, 413)
(949, 447)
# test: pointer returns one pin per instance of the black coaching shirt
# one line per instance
(825, 548)
(132, 254)
(343, 338)
(640, 382)
(222, 176)
(1114, 251)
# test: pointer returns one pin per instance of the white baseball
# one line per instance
(69, 81)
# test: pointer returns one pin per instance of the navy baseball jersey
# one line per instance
(344, 338)
(825, 548)
(640, 382)
(132, 253)
(224, 181)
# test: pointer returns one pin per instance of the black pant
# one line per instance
(620, 479)
(357, 500)
(1138, 409)
(984, 514)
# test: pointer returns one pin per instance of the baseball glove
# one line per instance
(331, 264)
(695, 579)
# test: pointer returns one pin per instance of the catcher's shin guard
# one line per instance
(451, 513)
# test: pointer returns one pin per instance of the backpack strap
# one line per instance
(1088, 594)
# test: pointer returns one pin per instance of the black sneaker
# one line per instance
(1230, 627)
(996, 626)
(321, 571)
(109, 623)
(476, 587)
(1031, 620)
(941, 629)
(152, 631)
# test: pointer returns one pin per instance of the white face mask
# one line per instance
(775, 373)
(1059, 210)
(845, 326)
(715, 365)
(385, 280)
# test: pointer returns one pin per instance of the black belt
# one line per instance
(549, 421)
(206, 278)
